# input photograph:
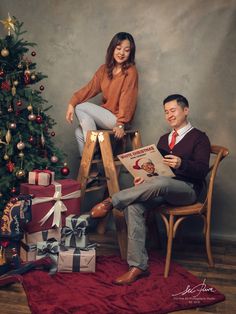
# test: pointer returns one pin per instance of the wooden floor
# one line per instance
(189, 255)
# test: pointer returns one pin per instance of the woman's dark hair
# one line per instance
(116, 40)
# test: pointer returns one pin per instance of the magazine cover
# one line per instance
(145, 162)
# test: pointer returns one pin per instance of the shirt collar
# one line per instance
(184, 129)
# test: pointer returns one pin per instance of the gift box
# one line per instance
(44, 235)
(48, 248)
(74, 234)
(52, 204)
(76, 260)
(28, 251)
(41, 177)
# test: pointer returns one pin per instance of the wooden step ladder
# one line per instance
(111, 166)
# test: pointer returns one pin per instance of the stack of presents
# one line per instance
(52, 224)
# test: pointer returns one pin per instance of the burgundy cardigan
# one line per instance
(194, 150)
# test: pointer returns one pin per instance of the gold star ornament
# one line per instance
(8, 24)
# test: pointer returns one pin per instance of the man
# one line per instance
(187, 151)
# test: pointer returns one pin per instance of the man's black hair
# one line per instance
(181, 100)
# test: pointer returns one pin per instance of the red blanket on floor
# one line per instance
(95, 293)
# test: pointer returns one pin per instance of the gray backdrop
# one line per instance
(183, 46)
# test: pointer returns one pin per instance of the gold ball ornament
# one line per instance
(21, 155)
(4, 52)
(5, 157)
(20, 174)
(15, 83)
(54, 159)
(31, 117)
(33, 77)
(20, 145)
(30, 107)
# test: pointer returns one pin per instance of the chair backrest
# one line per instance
(220, 153)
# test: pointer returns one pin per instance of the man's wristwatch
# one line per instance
(120, 126)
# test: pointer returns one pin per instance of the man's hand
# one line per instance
(172, 161)
(118, 132)
(70, 113)
(138, 180)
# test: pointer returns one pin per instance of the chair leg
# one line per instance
(169, 246)
(208, 246)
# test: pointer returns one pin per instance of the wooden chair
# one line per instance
(174, 215)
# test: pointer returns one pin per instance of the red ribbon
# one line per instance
(37, 172)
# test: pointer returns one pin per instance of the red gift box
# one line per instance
(51, 204)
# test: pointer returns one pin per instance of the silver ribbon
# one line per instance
(58, 207)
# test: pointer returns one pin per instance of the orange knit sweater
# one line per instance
(119, 93)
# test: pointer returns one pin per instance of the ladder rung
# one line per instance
(96, 161)
(96, 187)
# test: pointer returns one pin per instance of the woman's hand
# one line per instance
(70, 113)
(172, 161)
(138, 180)
(118, 132)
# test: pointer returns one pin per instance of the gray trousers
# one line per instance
(91, 117)
(136, 200)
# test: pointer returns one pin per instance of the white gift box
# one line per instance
(74, 233)
(41, 177)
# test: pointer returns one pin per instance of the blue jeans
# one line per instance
(91, 117)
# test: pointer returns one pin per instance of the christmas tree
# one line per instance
(26, 135)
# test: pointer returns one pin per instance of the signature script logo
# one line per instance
(195, 291)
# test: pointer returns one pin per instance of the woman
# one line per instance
(117, 79)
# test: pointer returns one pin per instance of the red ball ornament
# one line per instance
(13, 190)
(65, 170)
(53, 133)
(19, 103)
(6, 86)
(33, 53)
(39, 119)
(1, 73)
(31, 140)
(41, 87)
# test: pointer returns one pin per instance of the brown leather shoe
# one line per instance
(101, 209)
(132, 275)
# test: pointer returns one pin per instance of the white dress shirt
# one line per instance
(181, 133)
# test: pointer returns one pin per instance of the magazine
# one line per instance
(145, 162)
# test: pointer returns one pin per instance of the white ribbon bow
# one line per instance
(58, 207)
